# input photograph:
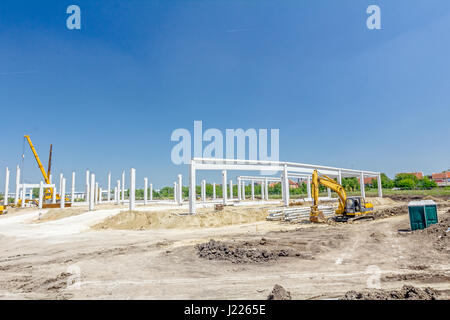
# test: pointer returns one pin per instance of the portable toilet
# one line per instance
(422, 214)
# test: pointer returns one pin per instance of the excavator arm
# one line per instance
(316, 214)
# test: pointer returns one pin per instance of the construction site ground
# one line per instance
(157, 252)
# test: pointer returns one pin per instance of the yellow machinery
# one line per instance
(48, 193)
(2, 209)
(348, 208)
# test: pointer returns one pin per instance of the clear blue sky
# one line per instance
(108, 96)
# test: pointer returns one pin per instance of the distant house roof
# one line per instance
(441, 175)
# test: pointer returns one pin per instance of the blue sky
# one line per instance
(108, 96)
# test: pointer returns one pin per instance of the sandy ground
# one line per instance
(66, 258)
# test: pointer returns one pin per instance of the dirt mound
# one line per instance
(279, 293)
(376, 201)
(405, 293)
(56, 214)
(205, 218)
(438, 233)
(246, 252)
(390, 212)
(419, 277)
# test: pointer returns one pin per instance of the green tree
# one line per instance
(405, 184)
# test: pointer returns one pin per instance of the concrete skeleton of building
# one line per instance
(287, 169)
(94, 194)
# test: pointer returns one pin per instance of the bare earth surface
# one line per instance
(109, 254)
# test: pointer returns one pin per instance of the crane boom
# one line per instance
(41, 167)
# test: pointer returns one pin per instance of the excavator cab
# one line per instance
(357, 205)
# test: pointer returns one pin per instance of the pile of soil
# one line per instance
(390, 212)
(427, 277)
(245, 252)
(279, 293)
(405, 293)
(438, 233)
(56, 214)
(204, 218)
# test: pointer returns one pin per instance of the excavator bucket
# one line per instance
(316, 215)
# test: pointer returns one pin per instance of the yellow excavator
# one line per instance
(349, 208)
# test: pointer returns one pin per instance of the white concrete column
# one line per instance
(145, 190)
(100, 195)
(362, 186)
(308, 187)
(88, 193)
(118, 192)
(224, 187)
(108, 196)
(54, 194)
(214, 191)
(231, 189)
(123, 186)
(16, 196)
(62, 193)
(5, 200)
(266, 189)
(239, 186)
(380, 187)
(92, 192)
(96, 193)
(253, 190)
(180, 189)
(243, 190)
(132, 188)
(60, 183)
(339, 177)
(151, 191)
(175, 191)
(115, 195)
(329, 192)
(72, 188)
(203, 191)
(286, 186)
(263, 186)
(192, 196)
(41, 194)
(23, 197)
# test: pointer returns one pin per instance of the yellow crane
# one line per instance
(348, 207)
(48, 194)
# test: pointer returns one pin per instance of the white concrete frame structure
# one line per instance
(87, 194)
(145, 190)
(16, 196)
(264, 183)
(132, 188)
(180, 189)
(5, 195)
(123, 186)
(271, 166)
(91, 192)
